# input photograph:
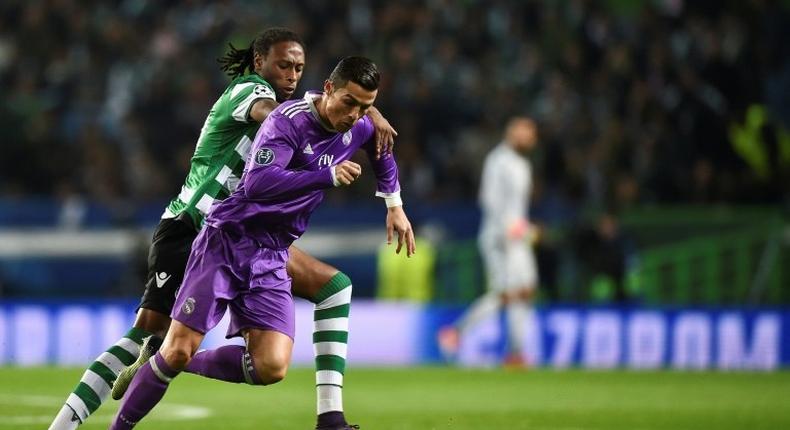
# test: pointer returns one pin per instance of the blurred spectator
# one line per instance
(634, 102)
(605, 253)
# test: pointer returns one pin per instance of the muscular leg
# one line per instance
(153, 322)
(518, 313)
(95, 384)
(113, 369)
(271, 354)
(308, 274)
(330, 291)
(151, 381)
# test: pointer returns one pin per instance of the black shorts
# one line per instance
(167, 260)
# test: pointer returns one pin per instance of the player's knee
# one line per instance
(177, 357)
(272, 371)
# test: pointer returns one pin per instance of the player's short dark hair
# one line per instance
(359, 70)
(237, 62)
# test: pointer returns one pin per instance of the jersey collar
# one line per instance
(311, 97)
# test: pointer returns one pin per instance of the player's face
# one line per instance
(523, 134)
(344, 106)
(282, 67)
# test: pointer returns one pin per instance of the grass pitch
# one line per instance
(437, 398)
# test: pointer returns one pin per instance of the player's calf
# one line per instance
(269, 356)
(94, 386)
(150, 345)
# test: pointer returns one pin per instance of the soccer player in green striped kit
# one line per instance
(276, 58)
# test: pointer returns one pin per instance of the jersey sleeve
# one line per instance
(385, 169)
(267, 175)
(244, 94)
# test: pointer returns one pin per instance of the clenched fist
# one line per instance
(345, 173)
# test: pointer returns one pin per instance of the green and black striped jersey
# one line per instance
(222, 148)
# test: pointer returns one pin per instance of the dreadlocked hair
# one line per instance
(237, 62)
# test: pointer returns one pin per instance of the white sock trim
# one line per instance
(75, 403)
(329, 377)
(331, 324)
(112, 362)
(159, 374)
(330, 398)
(330, 348)
(341, 297)
(129, 345)
(96, 383)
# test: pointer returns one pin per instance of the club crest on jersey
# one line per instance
(347, 138)
(189, 306)
(264, 157)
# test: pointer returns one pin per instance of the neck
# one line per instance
(320, 107)
(515, 148)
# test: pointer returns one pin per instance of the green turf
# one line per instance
(441, 398)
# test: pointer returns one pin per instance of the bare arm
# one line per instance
(262, 108)
(385, 133)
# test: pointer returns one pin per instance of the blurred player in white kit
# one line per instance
(505, 241)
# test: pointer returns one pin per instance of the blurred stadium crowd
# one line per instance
(105, 99)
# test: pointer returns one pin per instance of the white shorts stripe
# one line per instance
(332, 324)
(341, 297)
(330, 348)
(129, 345)
(331, 377)
(79, 406)
(112, 362)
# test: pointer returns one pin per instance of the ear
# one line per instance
(328, 87)
(257, 61)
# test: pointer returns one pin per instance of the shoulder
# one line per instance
(289, 114)
(249, 84)
(292, 108)
(285, 118)
(365, 127)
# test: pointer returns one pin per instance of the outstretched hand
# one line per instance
(397, 221)
(385, 133)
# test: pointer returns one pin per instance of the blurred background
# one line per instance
(662, 173)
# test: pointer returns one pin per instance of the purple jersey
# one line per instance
(288, 170)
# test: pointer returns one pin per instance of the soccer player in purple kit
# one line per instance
(275, 60)
(239, 258)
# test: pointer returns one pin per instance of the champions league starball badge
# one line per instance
(347, 138)
(264, 156)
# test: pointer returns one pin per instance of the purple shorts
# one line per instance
(227, 270)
